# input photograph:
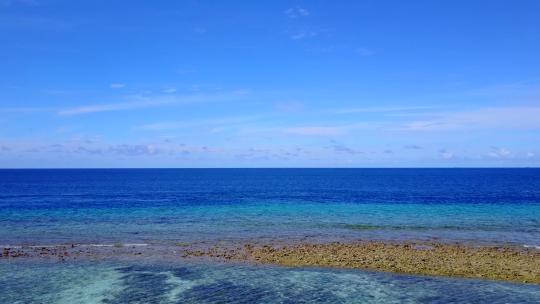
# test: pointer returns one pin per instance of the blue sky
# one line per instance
(269, 83)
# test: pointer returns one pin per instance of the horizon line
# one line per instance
(210, 168)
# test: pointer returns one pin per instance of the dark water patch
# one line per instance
(471, 291)
(19, 288)
(226, 292)
(185, 273)
(141, 285)
(311, 296)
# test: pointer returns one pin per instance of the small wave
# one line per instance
(78, 245)
(363, 227)
(531, 246)
(436, 227)
(114, 245)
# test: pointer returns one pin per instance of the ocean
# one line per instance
(164, 207)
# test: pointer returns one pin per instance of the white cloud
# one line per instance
(303, 34)
(117, 85)
(362, 51)
(169, 90)
(499, 152)
(445, 154)
(530, 154)
(297, 12)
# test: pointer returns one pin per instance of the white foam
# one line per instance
(9, 246)
(531, 246)
(77, 245)
(90, 285)
(114, 245)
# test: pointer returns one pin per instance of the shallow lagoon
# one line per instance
(185, 282)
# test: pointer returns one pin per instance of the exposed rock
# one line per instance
(499, 263)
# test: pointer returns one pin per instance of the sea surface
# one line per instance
(206, 206)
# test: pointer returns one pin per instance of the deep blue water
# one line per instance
(165, 207)
(160, 206)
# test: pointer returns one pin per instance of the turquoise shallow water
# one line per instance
(165, 207)
(29, 282)
(482, 223)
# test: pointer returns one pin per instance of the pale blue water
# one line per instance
(209, 205)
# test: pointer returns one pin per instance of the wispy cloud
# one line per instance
(340, 148)
(95, 108)
(289, 106)
(38, 23)
(138, 102)
(487, 118)
(314, 131)
(169, 90)
(498, 152)
(303, 34)
(117, 85)
(363, 51)
(297, 12)
(299, 29)
(199, 30)
(17, 2)
(24, 109)
(522, 91)
(383, 109)
(445, 154)
(496, 118)
(412, 147)
(223, 121)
